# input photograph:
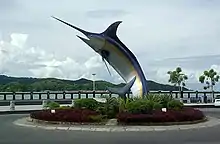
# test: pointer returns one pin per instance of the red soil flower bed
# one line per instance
(186, 114)
(65, 115)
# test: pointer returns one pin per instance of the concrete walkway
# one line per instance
(109, 128)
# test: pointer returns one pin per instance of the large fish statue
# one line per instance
(116, 54)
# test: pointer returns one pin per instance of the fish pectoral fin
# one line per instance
(106, 66)
(105, 54)
(122, 91)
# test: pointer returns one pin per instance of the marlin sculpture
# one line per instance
(112, 50)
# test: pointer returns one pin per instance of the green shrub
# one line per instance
(101, 109)
(143, 106)
(53, 105)
(88, 103)
(139, 106)
(175, 104)
(124, 104)
(111, 107)
(150, 105)
(165, 99)
(153, 97)
(157, 106)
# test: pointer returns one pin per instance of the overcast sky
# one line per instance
(162, 35)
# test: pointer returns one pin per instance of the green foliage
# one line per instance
(153, 97)
(164, 99)
(101, 109)
(157, 106)
(122, 104)
(174, 104)
(210, 78)
(53, 105)
(111, 107)
(152, 102)
(177, 77)
(138, 106)
(88, 103)
(143, 106)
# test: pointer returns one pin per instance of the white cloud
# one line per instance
(19, 60)
(18, 40)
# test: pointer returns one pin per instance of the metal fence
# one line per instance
(35, 98)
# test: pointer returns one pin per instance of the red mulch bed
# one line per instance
(65, 115)
(186, 114)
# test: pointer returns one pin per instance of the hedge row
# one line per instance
(186, 114)
(67, 115)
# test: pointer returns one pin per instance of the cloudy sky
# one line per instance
(162, 34)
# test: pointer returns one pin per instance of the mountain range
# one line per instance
(8, 83)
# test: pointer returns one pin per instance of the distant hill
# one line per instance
(8, 83)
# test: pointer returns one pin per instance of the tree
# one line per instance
(177, 78)
(210, 78)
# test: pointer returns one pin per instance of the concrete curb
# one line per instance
(95, 128)
(43, 122)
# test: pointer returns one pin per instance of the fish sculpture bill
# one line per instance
(112, 50)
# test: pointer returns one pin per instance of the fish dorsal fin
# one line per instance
(112, 29)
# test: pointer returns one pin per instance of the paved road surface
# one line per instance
(12, 134)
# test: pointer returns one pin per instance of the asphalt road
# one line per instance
(12, 134)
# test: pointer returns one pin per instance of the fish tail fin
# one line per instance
(122, 91)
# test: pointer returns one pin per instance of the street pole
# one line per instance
(93, 81)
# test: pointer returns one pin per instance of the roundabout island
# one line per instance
(152, 113)
(114, 121)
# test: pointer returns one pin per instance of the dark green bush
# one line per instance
(150, 105)
(175, 104)
(111, 107)
(157, 106)
(165, 99)
(101, 109)
(87, 103)
(153, 97)
(140, 106)
(52, 105)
